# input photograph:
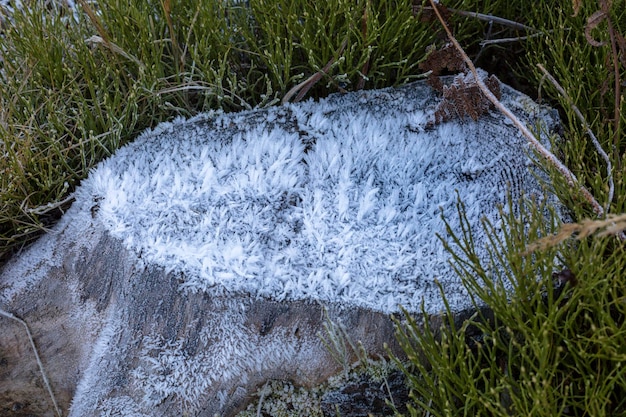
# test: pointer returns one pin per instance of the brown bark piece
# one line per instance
(446, 59)
(463, 98)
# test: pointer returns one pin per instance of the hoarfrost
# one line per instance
(337, 200)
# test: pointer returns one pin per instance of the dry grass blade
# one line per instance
(167, 9)
(264, 392)
(307, 84)
(596, 143)
(366, 65)
(41, 369)
(553, 160)
(612, 226)
(114, 48)
(94, 19)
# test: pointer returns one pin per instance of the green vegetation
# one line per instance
(76, 85)
(594, 76)
(551, 347)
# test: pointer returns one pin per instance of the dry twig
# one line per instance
(46, 208)
(509, 40)
(484, 17)
(594, 140)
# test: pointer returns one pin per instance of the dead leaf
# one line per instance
(576, 6)
(593, 22)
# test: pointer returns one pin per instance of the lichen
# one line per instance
(284, 399)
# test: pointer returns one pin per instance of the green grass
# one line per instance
(588, 75)
(547, 348)
(75, 87)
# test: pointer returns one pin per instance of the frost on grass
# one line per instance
(337, 200)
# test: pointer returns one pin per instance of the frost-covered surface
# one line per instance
(339, 200)
(9, 6)
(166, 370)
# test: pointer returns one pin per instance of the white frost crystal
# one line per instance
(337, 200)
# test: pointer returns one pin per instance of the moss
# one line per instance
(282, 398)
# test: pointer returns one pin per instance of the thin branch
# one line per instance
(509, 40)
(494, 19)
(41, 369)
(553, 160)
(594, 140)
(51, 206)
(483, 17)
(618, 93)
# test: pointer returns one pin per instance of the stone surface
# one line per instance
(123, 332)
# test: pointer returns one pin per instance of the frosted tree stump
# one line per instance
(196, 263)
